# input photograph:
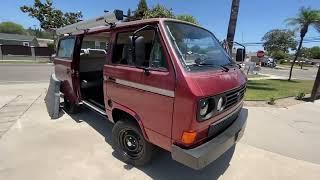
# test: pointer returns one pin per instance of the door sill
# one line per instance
(94, 107)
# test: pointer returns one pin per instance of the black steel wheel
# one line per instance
(130, 144)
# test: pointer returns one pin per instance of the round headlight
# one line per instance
(220, 104)
(204, 106)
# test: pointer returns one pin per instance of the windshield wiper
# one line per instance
(202, 62)
(213, 65)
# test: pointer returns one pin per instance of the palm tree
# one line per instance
(307, 17)
(232, 23)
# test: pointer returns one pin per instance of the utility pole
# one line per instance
(232, 23)
(316, 87)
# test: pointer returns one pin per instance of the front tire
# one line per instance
(130, 144)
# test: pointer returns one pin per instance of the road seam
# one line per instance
(16, 118)
(10, 101)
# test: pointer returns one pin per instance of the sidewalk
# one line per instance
(15, 100)
(78, 147)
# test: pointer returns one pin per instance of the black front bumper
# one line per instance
(199, 157)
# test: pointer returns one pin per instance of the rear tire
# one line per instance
(130, 144)
(70, 107)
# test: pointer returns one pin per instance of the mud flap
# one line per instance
(52, 98)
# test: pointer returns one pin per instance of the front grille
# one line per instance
(218, 128)
(234, 96)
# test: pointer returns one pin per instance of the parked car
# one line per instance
(153, 89)
(269, 62)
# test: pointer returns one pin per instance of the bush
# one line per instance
(51, 47)
(300, 96)
(282, 61)
(272, 101)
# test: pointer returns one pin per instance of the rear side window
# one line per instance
(66, 47)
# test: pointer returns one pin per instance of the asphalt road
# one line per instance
(25, 73)
(308, 73)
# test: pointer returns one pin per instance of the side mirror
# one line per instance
(241, 55)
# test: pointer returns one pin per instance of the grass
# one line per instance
(296, 65)
(255, 76)
(266, 89)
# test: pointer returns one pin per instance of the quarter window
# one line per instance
(66, 47)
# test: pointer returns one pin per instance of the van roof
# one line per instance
(131, 23)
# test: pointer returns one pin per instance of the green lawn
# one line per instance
(256, 76)
(265, 89)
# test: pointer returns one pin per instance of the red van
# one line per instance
(162, 82)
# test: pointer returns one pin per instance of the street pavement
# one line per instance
(279, 143)
(25, 73)
(307, 73)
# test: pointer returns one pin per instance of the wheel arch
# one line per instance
(119, 113)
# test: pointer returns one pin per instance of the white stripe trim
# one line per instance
(146, 87)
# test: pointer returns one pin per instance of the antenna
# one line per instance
(108, 19)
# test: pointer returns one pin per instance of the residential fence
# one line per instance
(25, 53)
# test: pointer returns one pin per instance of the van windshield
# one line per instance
(197, 48)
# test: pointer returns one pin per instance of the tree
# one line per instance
(232, 23)
(279, 55)
(279, 40)
(315, 52)
(129, 13)
(188, 18)
(142, 10)
(39, 33)
(305, 52)
(159, 11)
(48, 16)
(11, 28)
(307, 17)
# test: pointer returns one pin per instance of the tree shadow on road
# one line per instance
(162, 166)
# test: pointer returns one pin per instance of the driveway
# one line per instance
(278, 144)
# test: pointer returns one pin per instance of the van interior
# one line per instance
(92, 58)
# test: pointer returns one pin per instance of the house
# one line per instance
(44, 42)
(18, 39)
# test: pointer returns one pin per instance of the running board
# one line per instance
(94, 107)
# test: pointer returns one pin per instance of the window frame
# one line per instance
(161, 69)
(64, 38)
(181, 61)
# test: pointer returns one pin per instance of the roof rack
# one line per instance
(109, 19)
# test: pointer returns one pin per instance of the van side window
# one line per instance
(154, 56)
(66, 47)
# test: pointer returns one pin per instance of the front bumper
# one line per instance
(199, 157)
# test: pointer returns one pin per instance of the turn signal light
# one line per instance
(188, 137)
